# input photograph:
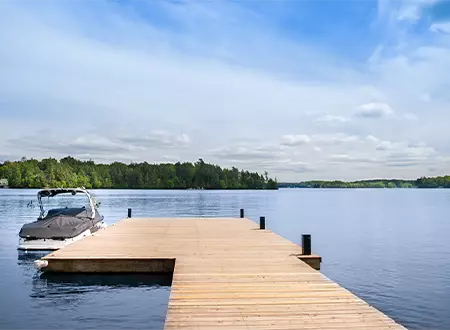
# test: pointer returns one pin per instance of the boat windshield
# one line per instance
(75, 199)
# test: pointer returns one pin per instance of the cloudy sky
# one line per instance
(302, 89)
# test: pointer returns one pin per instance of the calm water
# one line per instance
(390, 247)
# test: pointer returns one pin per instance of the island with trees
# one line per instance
(424, 182)
(70, 172)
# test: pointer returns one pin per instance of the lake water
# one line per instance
(391, 247)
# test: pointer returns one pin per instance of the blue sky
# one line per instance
(303, 89)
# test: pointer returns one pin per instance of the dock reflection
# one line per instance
(114, 280)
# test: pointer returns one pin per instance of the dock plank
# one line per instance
(227, 274)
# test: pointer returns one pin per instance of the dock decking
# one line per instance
(227, 274)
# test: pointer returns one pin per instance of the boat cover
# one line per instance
(60, 224)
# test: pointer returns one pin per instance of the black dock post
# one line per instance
(129, 213)
(242, 213)
(306, 244)
(262, 222)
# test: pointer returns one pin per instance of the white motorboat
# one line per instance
(61, 226)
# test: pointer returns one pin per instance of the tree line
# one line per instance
(424, 182)
(71, 172)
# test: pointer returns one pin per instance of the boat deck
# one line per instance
(227, 274)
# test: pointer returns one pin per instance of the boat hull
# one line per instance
(49, 244)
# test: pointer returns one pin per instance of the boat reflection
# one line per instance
(28, 257)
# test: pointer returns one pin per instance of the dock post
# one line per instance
(306, 244)
(242, 213)
(129, 213)
(262, 222)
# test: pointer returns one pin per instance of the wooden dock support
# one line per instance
(227, 274)
(306, 244)
(262, 222)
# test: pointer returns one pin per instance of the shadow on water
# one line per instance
(113, 280)
(49, 284)
(27, 258)
(69, 288)
(64, 289)
(127, 300)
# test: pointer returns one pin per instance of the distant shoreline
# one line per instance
(423, 182)
(173, 189)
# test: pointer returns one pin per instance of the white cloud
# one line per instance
(123, 88)
(384, 145)
(289, 166)
(332, 119)
(295, 140)
(345, 158)
(420, 144)
(158, 138)
(372, 139)
(381, 145)
(340, 157)
(94, 146)
(409, 157)
(410, 116)
(410, 12)
(374, 110)
(323, 140)
(334, 139)
(171, 158)
(403, 11)
(243, 153)
(442, 27)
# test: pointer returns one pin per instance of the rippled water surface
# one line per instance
(390, 247)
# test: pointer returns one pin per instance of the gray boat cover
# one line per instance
(60, 224)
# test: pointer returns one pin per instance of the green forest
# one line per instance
(70, 172)
(433, 182)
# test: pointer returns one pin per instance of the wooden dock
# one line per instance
(227, 274)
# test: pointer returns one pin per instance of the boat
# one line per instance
(61, 226)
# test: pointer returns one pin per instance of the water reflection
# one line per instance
(86, 301)
(65, 291)
(45, 284)
(112, 280)
(26, 258)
